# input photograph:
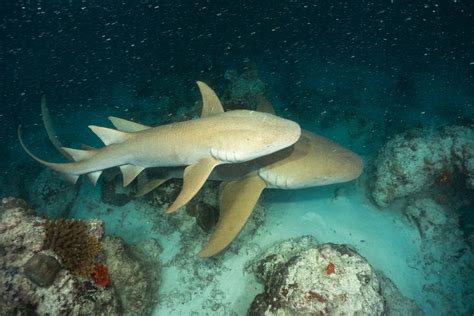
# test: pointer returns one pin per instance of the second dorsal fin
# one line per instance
(126, 125)
(109, 136)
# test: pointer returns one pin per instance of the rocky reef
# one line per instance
(443, 252)
(422, 161)
(68, 267)
(304, 278)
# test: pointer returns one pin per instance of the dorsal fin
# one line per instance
(108, 135)
(78, 154)
(210, 102)
(126, 125)
(263, 105)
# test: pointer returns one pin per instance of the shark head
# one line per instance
(259, 134)
(315, 161)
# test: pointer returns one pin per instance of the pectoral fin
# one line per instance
(237, 201)
(150, 186)
(193, 179)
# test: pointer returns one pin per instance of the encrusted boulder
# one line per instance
(445, 252)
(134, 273)
(329, 279)
(304, 278)
(416, 161)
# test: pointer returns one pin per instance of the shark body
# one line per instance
(200, 144)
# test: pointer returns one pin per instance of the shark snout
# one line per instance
(285, 135)
(352, 167)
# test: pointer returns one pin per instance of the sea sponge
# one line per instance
(71, 242)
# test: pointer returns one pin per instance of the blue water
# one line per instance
(358, 72)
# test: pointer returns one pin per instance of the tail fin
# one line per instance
(71, 177)
(48, 125)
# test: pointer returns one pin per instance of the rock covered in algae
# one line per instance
(414, 161)
(304, 278)
(32, 282)
(134, 273)
(444, 252)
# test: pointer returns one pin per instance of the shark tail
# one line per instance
(64, 168)
(55, 166)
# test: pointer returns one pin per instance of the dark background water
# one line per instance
(73, 49)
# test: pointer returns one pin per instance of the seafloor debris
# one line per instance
(38, 281)
(297, 281)
(417, 161)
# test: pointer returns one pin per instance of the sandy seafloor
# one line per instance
(342, 213)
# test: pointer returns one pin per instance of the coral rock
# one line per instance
(417, 160)
(21, 239)
(302, 285)
(131, 276)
